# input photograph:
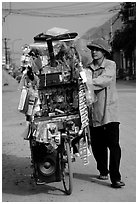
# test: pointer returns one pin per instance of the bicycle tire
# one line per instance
(67, 172)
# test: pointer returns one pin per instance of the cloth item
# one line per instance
(40, 133)
(31, 104)
(90, 95)
(37, 106)
(107, 136)
(47, 133)
(83, 143)
(105, 108)
(84, 151)
(37, 65)
(101, 44)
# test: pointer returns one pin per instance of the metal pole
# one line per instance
(6, 53)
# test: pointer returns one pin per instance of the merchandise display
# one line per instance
(54, 95)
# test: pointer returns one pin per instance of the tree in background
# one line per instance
(125, 38)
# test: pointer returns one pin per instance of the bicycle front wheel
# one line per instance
(67, 171)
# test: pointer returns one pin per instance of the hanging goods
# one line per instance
(83, 144)
(23, 103)
(83, 106)
(57, 110)
(31, 105)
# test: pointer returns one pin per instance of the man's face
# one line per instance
(97, 53)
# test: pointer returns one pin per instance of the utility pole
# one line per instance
(7, 53)
(6, 50)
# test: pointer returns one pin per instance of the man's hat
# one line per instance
(101, 44)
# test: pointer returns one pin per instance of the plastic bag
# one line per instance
(90, 96)
(23, 103)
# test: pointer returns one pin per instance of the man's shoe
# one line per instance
(117, 184)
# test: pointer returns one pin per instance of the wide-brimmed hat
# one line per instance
(101, 44)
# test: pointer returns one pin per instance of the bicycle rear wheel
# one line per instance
(67, 171)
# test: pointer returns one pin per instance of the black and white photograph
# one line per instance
(68, 101)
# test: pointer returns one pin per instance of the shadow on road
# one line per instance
(91, 178)
(16, 178)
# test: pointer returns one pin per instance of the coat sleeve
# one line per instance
(106, 77)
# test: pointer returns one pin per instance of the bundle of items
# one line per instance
(54, 84)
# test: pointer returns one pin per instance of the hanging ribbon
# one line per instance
(83, 144)
(83, 107)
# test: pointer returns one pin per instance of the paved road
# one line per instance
(17, 184)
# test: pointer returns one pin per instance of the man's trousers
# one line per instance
(102, 138)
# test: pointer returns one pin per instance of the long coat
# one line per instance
(105, 107)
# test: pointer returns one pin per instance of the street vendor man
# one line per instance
(104, 125)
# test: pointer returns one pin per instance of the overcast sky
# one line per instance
(28, 19)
